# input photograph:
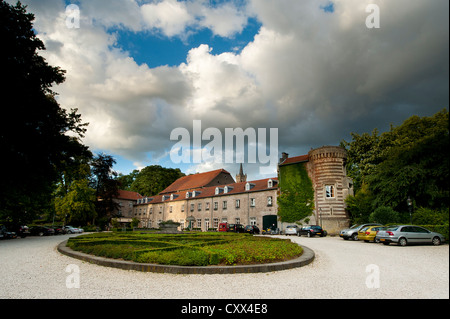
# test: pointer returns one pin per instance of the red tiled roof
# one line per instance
(295, 159)
(258, 185)
(128, 195)
(193, 181)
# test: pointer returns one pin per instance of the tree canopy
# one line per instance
(34, 139)
(410, 160)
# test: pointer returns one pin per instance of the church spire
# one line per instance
(241, 177)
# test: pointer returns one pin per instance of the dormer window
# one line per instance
(227, 189)
(188, 194)
(218, 190)
(249, 186)
(196, 193)
(270, 183)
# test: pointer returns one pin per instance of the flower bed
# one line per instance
(191, 249)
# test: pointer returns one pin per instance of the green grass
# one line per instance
(191, 249)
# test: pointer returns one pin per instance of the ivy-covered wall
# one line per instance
(296, 198)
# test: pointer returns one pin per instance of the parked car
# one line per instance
(352, 232)
(5, 234)
(41, 231)
(408, 234)
(291, 230)
(311, 231)
(252, 229)
(58, 229)
(369, 233)
(23, 231)
(72, 230)
(224, 227)
(236, 228)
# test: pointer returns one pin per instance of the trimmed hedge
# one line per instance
(193, 249)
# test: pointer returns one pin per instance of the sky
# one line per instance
(312, 69)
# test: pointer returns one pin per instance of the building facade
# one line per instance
(193, 198)
(214, 197)
(326, 167)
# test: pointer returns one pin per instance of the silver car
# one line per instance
(291, 230)
(352, 232)
(409, 234)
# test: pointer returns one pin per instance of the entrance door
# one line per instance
(269, 221)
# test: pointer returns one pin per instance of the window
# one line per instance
(199, 206)
(182, 224)
(269, 183)
(253, 221)
(199, 223)
(269, 200)
(224, 204)
(252, 202)
(192, 207)
(207, 224)
(182, 208)
(216, 205)
(170, 209)
(238, 203)
(151, 210)
(216, 222)
(207, 206)
(329, 191)
(238, 220)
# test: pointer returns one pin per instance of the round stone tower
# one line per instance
(326, 168)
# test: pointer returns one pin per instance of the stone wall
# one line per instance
(326, 168)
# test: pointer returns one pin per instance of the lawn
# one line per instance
(189, 249)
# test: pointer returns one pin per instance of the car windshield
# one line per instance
(291, 226)
(316, 227)
(392, 228)
(354, 226)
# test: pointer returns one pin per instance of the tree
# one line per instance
(125, 181)
(33, 129)
(106, 186)
(78, 206)
(296, 199)
(360, 206)
(154, 179)
(384, 215)
(408, 161)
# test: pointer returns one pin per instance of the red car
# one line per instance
(224, 227)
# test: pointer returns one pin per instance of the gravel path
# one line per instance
(32, 268)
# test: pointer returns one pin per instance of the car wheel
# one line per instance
(309, 234)
(436, 241)
(355, 237)
(402, 242)
(41, 234)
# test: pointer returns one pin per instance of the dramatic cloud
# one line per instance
(314, 74)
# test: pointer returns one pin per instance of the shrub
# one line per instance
(384, 215)
(191, 249)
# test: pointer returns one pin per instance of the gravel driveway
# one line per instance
(32, 268)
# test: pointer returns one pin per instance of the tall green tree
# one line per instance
(33, 127)
(78, 205)
(104, 182)
(296, 199)
(408, 161)
(153, 179)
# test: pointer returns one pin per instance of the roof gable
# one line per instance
(199, 180)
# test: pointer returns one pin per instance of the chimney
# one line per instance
(284, 156)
